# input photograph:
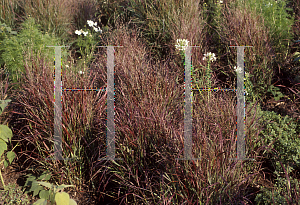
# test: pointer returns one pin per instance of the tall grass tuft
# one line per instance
(56, 17)
(258, 59)
(149, 136)
(36, 102)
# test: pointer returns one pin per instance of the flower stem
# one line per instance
(208, 76)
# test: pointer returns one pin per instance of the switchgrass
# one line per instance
(149, 123)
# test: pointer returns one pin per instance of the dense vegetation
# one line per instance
(149, 101)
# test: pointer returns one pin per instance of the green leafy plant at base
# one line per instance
(55, 193)
(5, 136)
(4, 30)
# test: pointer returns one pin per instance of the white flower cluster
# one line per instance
(91, 24)
(80, 72)
(182, 44)
(239, 69)
(79, 32)
(211, 56)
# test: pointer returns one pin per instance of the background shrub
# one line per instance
(281, 135)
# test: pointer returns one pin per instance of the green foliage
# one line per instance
(9, 11)
(281, 131)
(296, 54)
(12, 194)
(278, 194)
(85, 45)
(156, 21)
(30, 41)
(275, 92)
(4, 30)
(55, 193)
(277, 21)
(250, 96)
(253, 96)
(5, 136)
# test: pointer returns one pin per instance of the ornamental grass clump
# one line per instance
(34, 104)
(150, 136)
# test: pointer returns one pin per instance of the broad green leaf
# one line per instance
(40, 202)
(72, 202)
(3, 147)
(37, 190)
(62, 198)
(46, 184)
(29, 180)
(8, 29)
(5, 163)
(44, 194)
(10, 155)
(3, 104)
(5, 133)
(63, 186)
(45, 176)
(35, 187)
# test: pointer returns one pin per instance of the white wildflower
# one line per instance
(211, 56)
(90, 23)
(182, 44)
(239, 69)
(78, 32)
(85, 33)
(97, 29)
(80, 72)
